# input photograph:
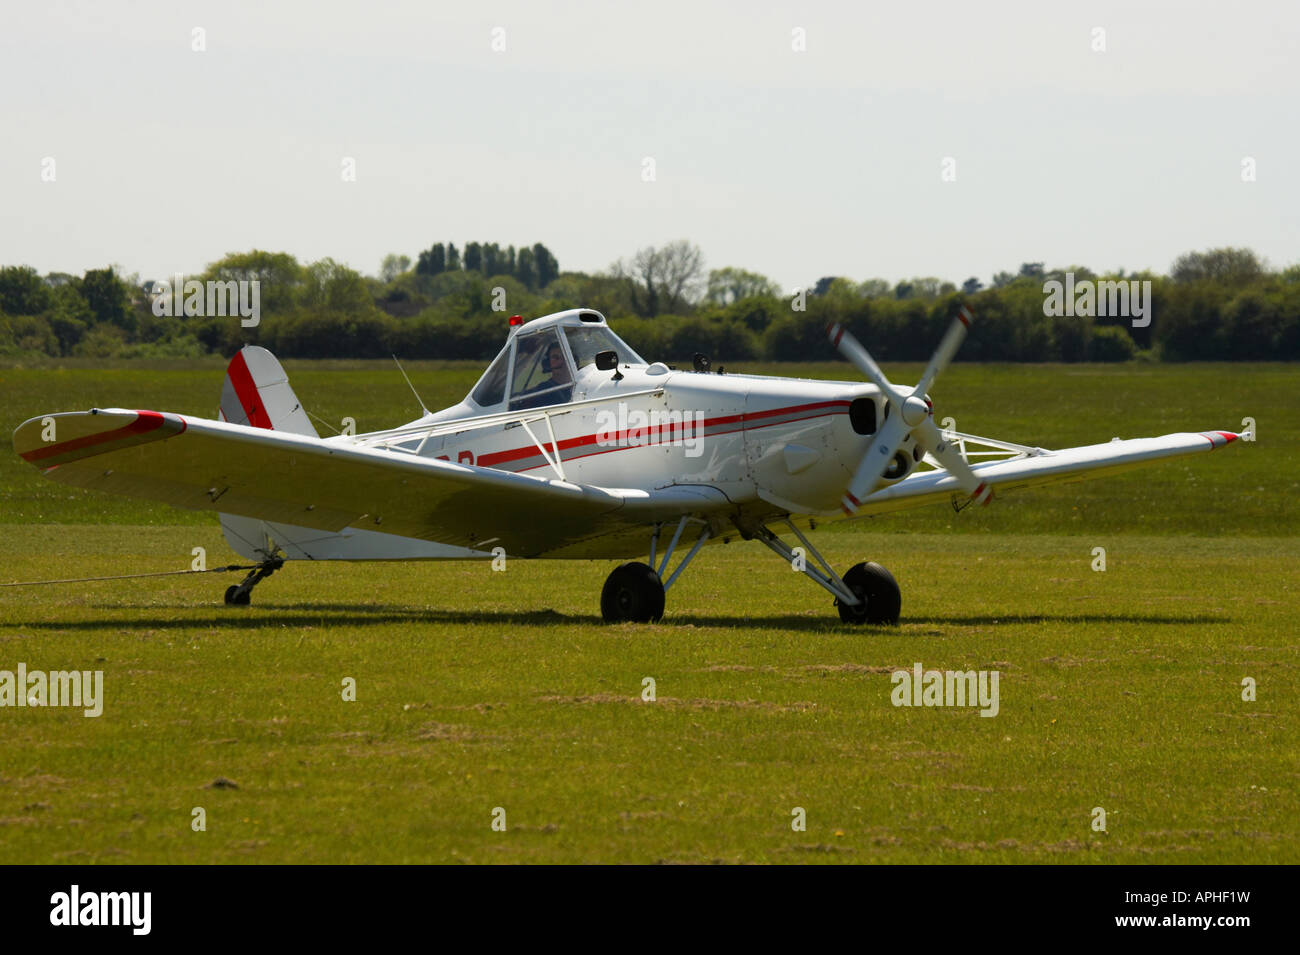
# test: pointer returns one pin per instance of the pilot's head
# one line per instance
(556, 365)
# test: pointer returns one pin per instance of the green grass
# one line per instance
(478, 689)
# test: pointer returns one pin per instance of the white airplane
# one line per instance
(573, 446)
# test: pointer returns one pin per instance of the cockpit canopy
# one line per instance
(544, 359)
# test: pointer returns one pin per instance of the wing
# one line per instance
(1022, 466)
(329, 485)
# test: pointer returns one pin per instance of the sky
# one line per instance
(869, 140)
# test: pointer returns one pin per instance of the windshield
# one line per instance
(590, 340)
(541, 374)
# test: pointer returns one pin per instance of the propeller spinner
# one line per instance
(914, 415)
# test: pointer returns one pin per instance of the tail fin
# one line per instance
(257, 394)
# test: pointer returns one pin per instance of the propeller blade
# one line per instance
(952, 340)
(912, 414)
(873, 464)
(949, 455)
(852, 349)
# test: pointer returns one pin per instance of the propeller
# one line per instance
(913, 414)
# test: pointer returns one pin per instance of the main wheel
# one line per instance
(632, 592)
(234, 597)
(879, 592)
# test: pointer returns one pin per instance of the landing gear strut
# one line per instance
(635, 592)
(866, 594)
(239, 594)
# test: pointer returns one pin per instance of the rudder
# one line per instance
(256, 393)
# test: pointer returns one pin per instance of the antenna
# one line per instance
(412, 387)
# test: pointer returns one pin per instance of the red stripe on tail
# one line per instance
(246, 391)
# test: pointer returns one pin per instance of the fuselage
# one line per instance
(770, 445)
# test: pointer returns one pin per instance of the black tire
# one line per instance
(234, 598)
(879, 591)
(633, 592)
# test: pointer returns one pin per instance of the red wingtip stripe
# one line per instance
(136, 432)
(965, 316)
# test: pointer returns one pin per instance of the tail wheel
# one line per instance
(881, 600)
(633, 592)
(235, 598)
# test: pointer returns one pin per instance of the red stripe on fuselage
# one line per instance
(246, 392)
(648, 434)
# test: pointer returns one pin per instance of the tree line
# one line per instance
(1219, 304)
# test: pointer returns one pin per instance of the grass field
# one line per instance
(476, 690)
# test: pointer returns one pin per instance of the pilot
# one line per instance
(557, 366)
(549, 391)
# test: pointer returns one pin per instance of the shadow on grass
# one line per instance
(362, 615)
(1017, 618)
(143, 617)
(830, 623)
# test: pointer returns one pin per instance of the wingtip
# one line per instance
(1221, 439)
(69, 436)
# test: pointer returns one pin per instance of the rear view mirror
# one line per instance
(606, 360)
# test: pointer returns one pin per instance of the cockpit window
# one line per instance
(537, 368)
(492, 389)
(541, 374)
(588, 341)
